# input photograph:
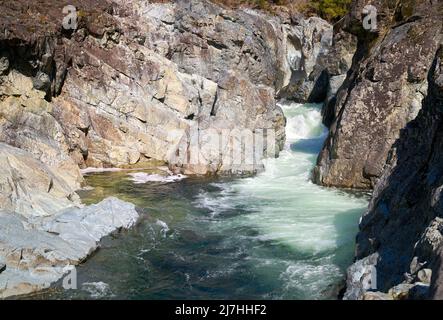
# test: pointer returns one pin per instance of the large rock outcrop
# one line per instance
(133, 81)
(44, 230)
(383, 91)
(136, 80)
(31, 188)
(401, 234)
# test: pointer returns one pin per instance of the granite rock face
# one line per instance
(307, 42)
(131, 82)
(31, 188)
(335, 67)
(27, 122)
(383, 91)
(44, 230)
(403, 226)
(165, 81)
(38, 252)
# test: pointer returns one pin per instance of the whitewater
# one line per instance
(272, 236)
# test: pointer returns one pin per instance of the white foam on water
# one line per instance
(216, 205)
(164, 227)
(98, 170)
(303, 276)
(284, 200)
(302, 124)
(141, 177)
(97, 289)
(286, 207)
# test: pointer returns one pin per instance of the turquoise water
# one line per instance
(273, 236)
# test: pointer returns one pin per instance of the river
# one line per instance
(273, 236)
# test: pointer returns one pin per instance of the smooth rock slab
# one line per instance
(38, 253)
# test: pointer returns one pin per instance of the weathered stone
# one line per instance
(307, 45)
(39, 251)
(26, 122)
(431, 239)
(4, 64)
(203, 66)
(43, 229)
(401, 292)
(31, 188)
(415, 265)
(424, 276)
(403, 223)
(371, 295)
(381, 94)
(41, 81)
(360, 278)
(410, 291)
(121, 104)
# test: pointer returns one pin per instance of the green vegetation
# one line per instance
(332, 10)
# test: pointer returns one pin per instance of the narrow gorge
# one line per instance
(118, 129)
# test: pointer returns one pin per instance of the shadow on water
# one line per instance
(346, 228)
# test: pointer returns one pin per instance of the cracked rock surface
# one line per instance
(134, 82)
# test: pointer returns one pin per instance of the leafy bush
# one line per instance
(331, 10)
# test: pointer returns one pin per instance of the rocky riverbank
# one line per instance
(385, 135)
(136, 82)
(383, 92)
(44, 230)
(110, 92)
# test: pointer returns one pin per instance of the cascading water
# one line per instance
(318, 224)
(273, 236)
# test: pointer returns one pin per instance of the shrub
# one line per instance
(332, 10)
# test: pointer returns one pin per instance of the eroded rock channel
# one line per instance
(133, 84)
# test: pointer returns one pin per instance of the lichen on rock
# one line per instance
(383, 92)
